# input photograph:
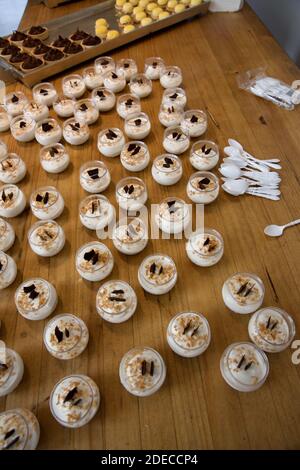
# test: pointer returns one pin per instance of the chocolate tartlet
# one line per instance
(18, 36)
(79, 35)
(18, 58)
(41, 49)
(10, 50)
(3, 43)
(91, 41)
(31, 43)
(31, 63)
(61, 42)
(73, 48)
(53, 55)
(40, 32)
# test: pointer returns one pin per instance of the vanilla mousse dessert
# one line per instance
(114, 81)
(103, 99)
(23, 128)
(73, 86)
(12, 168)
(167, 169)
(271, 329)
(188, 334)
(4, 120)
(35, 111)
(19, 430)
(12, 201)
(142, 371)
(44, 93)
(140, 85)
(85, 111)
(15, 103)
(153, 67)
(204, 155)
(175, 141)
(174, 97)
(131, 193)
(194, 122)
(130, 236)
(105, 64)
(173, 215)
(64, 107)
(7, 235)
(157, 274)
(116, 301)
(205, 247)
(3, 150)
(46, 238)
(94, 261)
(243, 293)
(128, 104)
(170, 115)
(36, 299)
(8, 270)
(76, 132)
(92, 78)
(11, 373)
(54, 158)
(74, 401)
(96, 212)
(66, 336)
(244, 366)
(110, 142)
(171, 77)
(94, 176)
(128, 67)
(137, 126)
(48, 132)
(46, 203)
(135, 156)
(203, 187)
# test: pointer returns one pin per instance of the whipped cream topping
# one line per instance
(32, 295)
(45, 235)
(63, 333)
(244, 289)
(190, 331)
(173, 210)
(13, 431)
(206, 244)
(8, 196)
(114, 297)
(92, 258)
(142, 368)
(95, 207)
(272, 326)
(158, 270)
(131, 232)
(245, 362)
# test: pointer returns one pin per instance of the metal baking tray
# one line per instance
(85, 20)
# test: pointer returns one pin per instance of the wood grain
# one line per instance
(195, 408)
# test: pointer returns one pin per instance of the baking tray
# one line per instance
(85, 20)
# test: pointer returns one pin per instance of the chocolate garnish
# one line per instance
(53, 151)
(137, 122)
(241, 361)
(44, 92)
(161, 269)
(117, 291)
(129, 102)
(36, 30)
(268, 322)
(46, 197)
(83, 107)
(47, 127)
(174, 96)
(33, 294)
(248, 365)
(53, 55)
(22, 124)
(206, 242)
(203, 148)
(18, 36)
(194, 118)
(136, 150)
(195, 330)
(204, 181)
(3, 196)
(71, 394)
(41, 49)
(274, 324)
(171, 110)
(242, 288)
(89, 255)
(31, 42)
(126, 65)
(61, 42)
(28, 289)
(186, 328)
(67, 333)
(101, 94)
(75, 127)
(91, 41)
(1, 266)
(31, 63)
(152, 368)
(10, 50)
(104, 62)
(78, 35)
(76, 403)
(14, 99)
(49, 234)
(154, 64)
(168, 161)
(3, 366)
(131, 147)
(11, 443)
(39, 198)
(59, 334)
(93, 173)
(114, 75)
(9, 434)
(249, 290)
(128, 189)
(144, 367)
(153, 268)
(111, 134)
(207, 151)
(116, 299)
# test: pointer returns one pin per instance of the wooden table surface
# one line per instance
(195, 408)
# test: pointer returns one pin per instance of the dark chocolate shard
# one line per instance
(71, 394)
(136, 150)
(59, 334)
(53, 151)
(77, 402)
(111, 135)
(241, 361)
(274, 324)
(131, 147)
(207, 151)
(75, 127)
(194, 118)
(3, 366)
(161, 270)
(39, 198)
(268, 322)
(248, 365)
(44, 92)
(242, 288)
(129, 102)
(114, 75)
(154, 64)
(130, 189)
(33, 294)
(22, 124)
(47, 127)
(118, 291)
(126, 65)
(101, 94)
(138, 122)
(83, 107)
(168, 161)
(28, 289)
(186, 328)
(11, 443)
(46, 197)
(14, 99)
(152, 368)
(104, 62)
(3, 196)
(88, 256)
(9, 434)
(93, 173)
(1, 266)
(174, 96)
(203, 148)
(206, 242)
(247, 292)
(116, 299)
(67, 333)
(144, 367)
(153, 268)
(195, 330)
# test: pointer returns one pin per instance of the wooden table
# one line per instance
(195, 408)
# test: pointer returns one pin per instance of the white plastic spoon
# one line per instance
(237, 188)
(245, 182)
(243, 163)
(236, 144)
(236, 153)
(277, 230)
(232, 171)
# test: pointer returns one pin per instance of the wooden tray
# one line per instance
(85, 19)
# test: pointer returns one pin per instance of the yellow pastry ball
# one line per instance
(150, 7)
(146, 21)
(171, 4)
(155, 13)
(137, 10)
(162, 3)
(184, 2)
(101, 21)
(179, 8)
(143, 3)
(163, 15)
(194, 3)
(125, 19)
(128, 28)
(127, 8)
(120, 3)
(134, 2)
(101, 31)
(139, 16)
(112, 34)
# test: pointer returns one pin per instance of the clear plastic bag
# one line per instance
(257, 82)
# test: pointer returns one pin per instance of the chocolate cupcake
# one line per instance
(41, 50)
(73, 48)
(18, 37)
(38, 32)
(61, 42)
(18, 58)
(3, 43)
(91, 41)
(53, 55)
(31, 43)
(79, 36)
(10, 50)
(31, 63)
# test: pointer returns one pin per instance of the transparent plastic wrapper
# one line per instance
(257, 82)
